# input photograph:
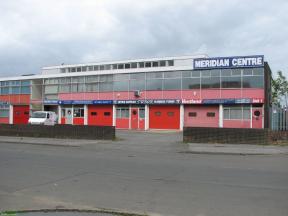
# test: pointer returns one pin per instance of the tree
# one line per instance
(280, 90)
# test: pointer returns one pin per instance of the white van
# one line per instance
(43, 118)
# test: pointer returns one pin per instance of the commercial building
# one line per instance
(157, 93)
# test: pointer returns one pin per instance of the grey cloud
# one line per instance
(55, 32)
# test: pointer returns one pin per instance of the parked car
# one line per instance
(43, 118)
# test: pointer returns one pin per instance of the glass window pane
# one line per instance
(172, 84)
(15, 90)
(247, 72)
(246, 113)
(162, 63)
(90, 68)
(25, 82)
(170, 62)
(137, 85)
(106, 86)
(92, 79)
(226, 114)
(25, 90)
(253, 82)
(235, 113)
(147, 64)
(258, 71)
(106, 78)
(154, 75)
(230, 82)
(236, 72)
(205, 73)
(121, 77)
(121, 86)
(172, 74)
(141, 64)
(134, 65)
(142, 113)
(215, 73)
(51, 89)
(64, 88)
(226, 72)
(195, 73)
(93, 87)
(210, 82)
(138, 76)
(155, 64)
(191, 83)
(154, 84)
(186, 73)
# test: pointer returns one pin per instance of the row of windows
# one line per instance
(124, 112)
(160, 84)
(237, 112)
(132, 65)
(15, 90)
(208, 114)
(159, 75)
(15, 83)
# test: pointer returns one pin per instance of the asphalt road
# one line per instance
(142, 172)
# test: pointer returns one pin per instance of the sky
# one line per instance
(37, 33)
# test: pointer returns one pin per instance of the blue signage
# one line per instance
(54, 102)
(227, 101)
(78, 102)
(229, 62)
(160, 101)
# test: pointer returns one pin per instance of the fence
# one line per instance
(59, 131)
(279, 119)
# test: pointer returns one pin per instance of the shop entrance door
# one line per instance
(134, 118)
(68, 116)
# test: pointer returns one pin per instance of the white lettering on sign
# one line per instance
(245, 61)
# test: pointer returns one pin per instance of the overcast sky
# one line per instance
(37, 33)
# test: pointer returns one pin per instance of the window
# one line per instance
(162, 63)
(186, 73)
(96, 67)
(64, 88)
(114, 66)
(192, 114)
(154, 84)
(170, 114)
(158, 113)
(190, 83)
(231, 82)
(15, 90)
(106, 78)
(4, 110)
(121, 86)
(78, 69)
(226, 72)
(101, 67)
(141, 64)
(93, 113)
(93, 87)
(170, 62)
(122, 112)
(25, 90)
(253, 82)
(195, 73)
(51, 89)
(106, 86)
(134, 65)
(247, 72)
(121, 77)
(237, 113)
(107, 67)
(173, 74)
(154, 75)
(205, 73)
(147, 64)
(92, 79)
(215, 73)
(142, 113)
(90, 68)
(155, 64)
(78, 112)
(258, 72)
(107, 113)
(210, 82)
(172, 84)
(120, 66)
(236, 72)
(138, 76)
(127, 66)
(210, 114)
(137, 85)
(84, 68)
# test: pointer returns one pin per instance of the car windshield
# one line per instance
(39, 115)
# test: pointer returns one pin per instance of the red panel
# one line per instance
(257, 120)
(154, 95)
(134, 113)
(63, 120)
(100, 115)
(121, 95)
(78, 121)
(4, 120)
(142, 124)
(201, 119)
(20, 114)
(122, 123)
(253, 93)
(164, 117)
(106, 96)
(236, 123)
(91, 96)
(191, 94)
(171, 94)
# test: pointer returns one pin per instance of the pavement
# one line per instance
(151, 173)
(196, 148)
